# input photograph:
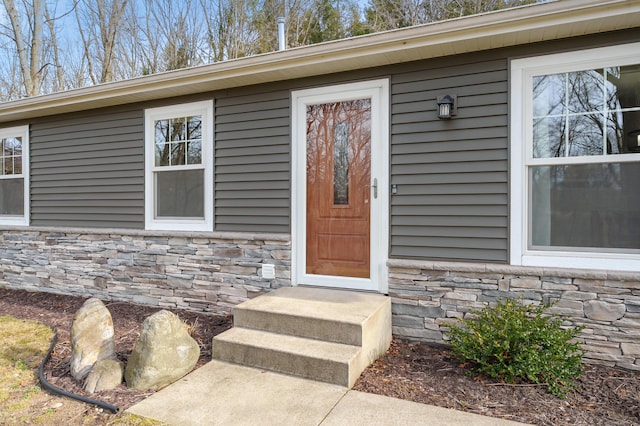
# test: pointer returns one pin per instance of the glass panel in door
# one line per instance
(338, 140)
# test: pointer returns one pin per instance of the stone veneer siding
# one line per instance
(205, 272)
(212, 272)
(428, 296)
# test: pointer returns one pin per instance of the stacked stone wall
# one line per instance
(205, 272)
(428, 296)
(213, 272)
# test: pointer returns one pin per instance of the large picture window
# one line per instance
(179, 161)
(576, 159)
(14, 176)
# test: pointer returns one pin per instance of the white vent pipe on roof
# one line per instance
(281, 43)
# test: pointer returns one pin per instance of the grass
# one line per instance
(23, 345)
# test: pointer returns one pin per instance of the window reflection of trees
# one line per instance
(341, 163)
(585, 113)
(12, 187)
(178, 141)
(11, 156)
(179, 191)
(351, 168)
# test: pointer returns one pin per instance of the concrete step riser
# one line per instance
(376, 333)
(322, 370)
(319, 334)
(311, 328)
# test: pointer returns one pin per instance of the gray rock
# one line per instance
(632, 349)
(603, 311)
(163, 354)
(91, 337)
(105, 375)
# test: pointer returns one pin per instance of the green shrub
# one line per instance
(513, 341)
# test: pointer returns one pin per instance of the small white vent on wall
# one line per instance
(268, 271)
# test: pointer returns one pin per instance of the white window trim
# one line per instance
(204, 108)
(522, 71)
(23, 132)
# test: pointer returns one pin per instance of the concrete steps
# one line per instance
(319, 334)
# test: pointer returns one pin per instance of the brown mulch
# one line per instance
(429, 374)
(58, 310)
(413, 371)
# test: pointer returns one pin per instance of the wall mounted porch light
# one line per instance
(447, 106)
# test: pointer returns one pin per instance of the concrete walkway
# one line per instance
(226, 394)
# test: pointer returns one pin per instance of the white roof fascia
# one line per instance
(522, 25)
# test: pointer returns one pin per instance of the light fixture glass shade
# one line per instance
(446, 105)
(444, 110)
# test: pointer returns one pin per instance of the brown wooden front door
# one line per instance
(338, 149)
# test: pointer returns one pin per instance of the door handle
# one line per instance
(374, 185)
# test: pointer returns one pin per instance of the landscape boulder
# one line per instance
(164, 353)
(92, 337)
(105, 375)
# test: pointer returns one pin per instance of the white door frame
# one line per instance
(378, 92)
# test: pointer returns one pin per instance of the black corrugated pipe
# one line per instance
(59, 391)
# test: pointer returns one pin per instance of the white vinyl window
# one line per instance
(179, 167)
(14, 176)
(575, 159)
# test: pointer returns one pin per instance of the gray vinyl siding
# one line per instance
(451, 175)
(87, 170)
(452, 201)
(252, 162)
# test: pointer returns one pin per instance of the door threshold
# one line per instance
(359, 290)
